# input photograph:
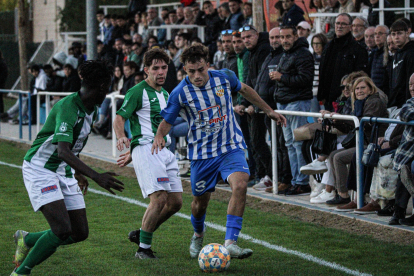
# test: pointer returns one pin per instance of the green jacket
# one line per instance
(243, 68)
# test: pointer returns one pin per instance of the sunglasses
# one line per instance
(247, 28)
(236, 33)
(229, 31)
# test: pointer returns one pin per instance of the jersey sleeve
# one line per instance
(132, 102)
(235, 83)
(170, 113)
(65, 121)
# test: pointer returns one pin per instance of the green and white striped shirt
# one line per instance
(68, 121)
(142, 106)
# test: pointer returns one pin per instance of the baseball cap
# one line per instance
(304, 25)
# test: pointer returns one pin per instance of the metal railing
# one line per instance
(29, 108)
(360, 145)
(157, 6)
(67, 36)
(200, 29)
(315, 115)
(319, 15)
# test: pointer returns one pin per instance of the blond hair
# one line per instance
(370, 84)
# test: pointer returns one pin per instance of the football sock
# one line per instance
(145, 239)
(198, 224)
(45, 246)
(233, 225)
(31, 238)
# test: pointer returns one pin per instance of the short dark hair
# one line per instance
(399, 25)
(248, 4)
(153, 37)
(207, 2)
(114, 16)
(47, 67)
(35, 67)
(196, 39)
(407, 21)
(184, 36)
(155, 54)
(195, 53)
(289, 27)
(165, 9)
(121, 17)
(172, 12)
(98, 42)
(100, 12)
(238, 1)
(108, 16)
(279, 6)
(130, 64)
(95, 72)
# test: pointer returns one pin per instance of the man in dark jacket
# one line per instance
(343, 55)
(293, 14)
(237, 18)
(373, 16)
(403, 64)
(258, 46)
(230, 62)
(378, 69)
(294, 92)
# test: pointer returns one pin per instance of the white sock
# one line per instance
(144, 245)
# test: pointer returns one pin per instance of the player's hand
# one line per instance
(239, 109)
(250, 110)
(380, 140)
(82, 182)
(279, 118)
(121, 142)
(385, 145)
(108, 182)
(124, 159)
(158, 144)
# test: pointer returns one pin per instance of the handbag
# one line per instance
(324, 142)
(349, 141)
(371, 154)
(305, 132)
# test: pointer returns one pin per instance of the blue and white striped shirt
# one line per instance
(209, 112)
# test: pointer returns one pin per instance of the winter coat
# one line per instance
(378, 71)
(230, 62)
(265, 87)
(402, 69)
(236, 20)
(293, 16)
(351, 57)
(297, 68)
(3, 73)
(373, 16)
(71, 83)
(213, 25)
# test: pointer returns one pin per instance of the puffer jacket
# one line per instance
(297, 68)
(293, 16)
(378, 71)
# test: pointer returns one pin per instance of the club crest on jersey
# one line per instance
(63, 127)
(49, 189)
(219, 91)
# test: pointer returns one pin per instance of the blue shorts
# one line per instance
(205, 173)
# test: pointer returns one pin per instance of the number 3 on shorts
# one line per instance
(200, 186)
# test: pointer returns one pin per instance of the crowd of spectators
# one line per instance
(353, 67)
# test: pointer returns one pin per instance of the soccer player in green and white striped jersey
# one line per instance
(54, 175)
(157, 174)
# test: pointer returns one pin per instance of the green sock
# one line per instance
(68, 241)
(31, 238)
(145, 237)
(45, 246)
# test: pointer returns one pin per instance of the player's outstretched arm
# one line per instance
(105, 180)
(159, 142)
(252, 96)
(119, 125)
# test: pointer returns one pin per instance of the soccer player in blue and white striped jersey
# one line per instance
(215, 141)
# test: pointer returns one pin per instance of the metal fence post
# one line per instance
(274, 158)
(29, 103)
(37, 113)
(113, 109)
(20, 117)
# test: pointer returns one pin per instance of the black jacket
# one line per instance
(293, 16)
(373, 16)
(265, 87)
(213, 25)
(71, 83)
(257, 57)
(3, 73)
(297, 69)
(171, 79)
(378, 71)
(128, 84)
(341, 56)
(231, 63)
(402, 69)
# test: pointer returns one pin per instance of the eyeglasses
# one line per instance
(342, 24)
(344, 87)
(247, 28)
(229, 31)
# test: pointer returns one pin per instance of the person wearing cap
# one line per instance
(304, 30)
(293, 14)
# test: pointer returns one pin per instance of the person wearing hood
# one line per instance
(294, 85)
(342, 56)
(293, 14)
(258, 46)
(403, 64)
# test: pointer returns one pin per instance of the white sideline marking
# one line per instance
(218, 227)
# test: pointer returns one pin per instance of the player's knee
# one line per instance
(159, 199)
(62, 233)
(199, 205)
(176, 206)
(81, 235)
(240, 187)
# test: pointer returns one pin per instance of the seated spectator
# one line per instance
(218, 55)
(225, 15)
(127, 50)
(189, 18)
(247, 14)
(129, 73)
(154, 21)
(135, 6)
(373, 16)
(71, 82)
(180, 15)
(54, 82)
(137, 38)
(144, 31)
(195, 8)
(139, 76)
(172, 15)
(369, 38)
(347, 6)
(107, 29)
(195, 40)
(237, 18)
(77, 52)
(213, 24)
(359, 25)
(164, 12)
(319, 6)
(279, 11)
(181, 74)
(138, 54)
(121, 30)
(181, 42)
(328, 27)
(100, 17)
(366, 103)
(152, 40)
(304, 30)
(293, 13)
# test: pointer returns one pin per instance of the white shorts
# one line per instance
(156, 172)
(45, 186)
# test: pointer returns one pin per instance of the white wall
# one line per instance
(45, 25)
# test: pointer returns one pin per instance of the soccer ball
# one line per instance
(214, 258)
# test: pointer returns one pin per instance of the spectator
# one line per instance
(347, 6)
(54, 83)
(279, 11)
(137, 38)
(403, 64)
(107, 29)
(359, 25)
(378, 68)
(118, 55)
(127, 50)
(3, 78)
(373, 16)
(218, 55)
(181, 42)
(100, 17)
(180, 15)
(121, 30)
(189, 18)
(195, 8)
(172, 15)
(164, 12)
(77, 52)
(237, 18)
(230, 61)
(367, 103)
(247, 14)
(153, 19)
(152, 40)
(402, 160)
(294, 92)
(332, 6)
(293, 14)
(129, 74)
(361, 6)
(342, 56)
(320, 7)
(369, 36)
(318, 42)
(258, 46)
(139, 76)
(135, 6)
(137, 54)
(213, 24)
(225, 15)
(71, 82)
(181, 74)
(304, 30)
